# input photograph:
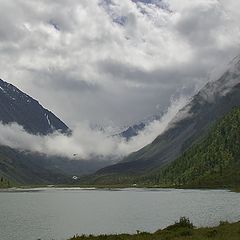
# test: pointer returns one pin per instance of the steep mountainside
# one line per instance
(16, 166)
(16, 106)
(32, 168)
(214, 162)
(22, 168)
(191, 123)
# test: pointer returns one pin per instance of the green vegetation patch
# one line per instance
(214, 162)
(4, 183)
(211, 162)
(181, 230)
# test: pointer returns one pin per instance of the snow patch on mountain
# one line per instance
(12, 92)
(48, 120)
(182, 114)
(2, 89)
(225, 80)
(224, 84)
(16, 106)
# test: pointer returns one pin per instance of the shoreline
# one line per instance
(182, 230)
(35, 188)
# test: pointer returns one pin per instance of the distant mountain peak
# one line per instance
(16, 106)
(134, 129)
(228, 80)
(213, 90)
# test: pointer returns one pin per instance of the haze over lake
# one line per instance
(61, 213)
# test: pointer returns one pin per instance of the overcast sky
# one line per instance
(114, 61)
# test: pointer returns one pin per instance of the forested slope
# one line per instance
(215, 161)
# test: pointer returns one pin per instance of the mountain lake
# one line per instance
(53, 213)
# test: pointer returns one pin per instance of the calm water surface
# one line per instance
(60, 213)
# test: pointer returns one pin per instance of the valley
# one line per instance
(199, 148)
(118, 118)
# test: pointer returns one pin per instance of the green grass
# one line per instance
(182, 230)
(236, 189)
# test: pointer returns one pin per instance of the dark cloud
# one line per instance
(200, 26)
(167, 77)
(66, 81)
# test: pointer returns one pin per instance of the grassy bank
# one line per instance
(236, 189)
(182, 230)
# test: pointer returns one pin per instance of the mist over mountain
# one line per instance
(135, 129)
(36, 147)
(23, 119)
(190, 124)
(114, 62)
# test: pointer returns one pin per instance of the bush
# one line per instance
(222, 223)
(182, 223)
(212, 233)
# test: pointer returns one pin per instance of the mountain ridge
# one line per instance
(23, 167)
(213, 162)
(18, 107)
(192, 122)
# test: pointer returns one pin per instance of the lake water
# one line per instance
(60, 213)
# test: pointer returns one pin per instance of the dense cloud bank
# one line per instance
(110, 61)
(85, 142)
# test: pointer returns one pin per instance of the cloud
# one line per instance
(232, 9)
(154, 129)
(85, 142)
(113, 62)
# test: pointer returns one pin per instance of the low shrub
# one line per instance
(182, 223)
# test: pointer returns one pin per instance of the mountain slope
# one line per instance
(33, 168)
(16, 106)
(23, 168)
(16, 166)
(215, 161)
(190, 124)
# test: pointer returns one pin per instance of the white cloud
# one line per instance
(232, 9)
(113, 61)
(110, 62)
(85, 143)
